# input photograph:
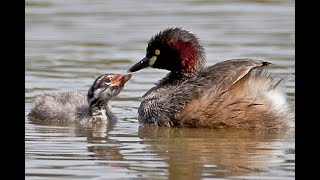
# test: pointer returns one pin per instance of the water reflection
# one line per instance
(188, 153)
(96, 135)
(198, 153)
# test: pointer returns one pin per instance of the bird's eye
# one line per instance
(157, 52)
(109, 78)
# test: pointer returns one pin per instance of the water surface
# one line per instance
(69, 43)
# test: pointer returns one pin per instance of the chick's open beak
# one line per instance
(120, 80)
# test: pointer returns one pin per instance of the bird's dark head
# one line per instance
(173, 49)
(105, 87)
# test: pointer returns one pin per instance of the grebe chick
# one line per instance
(236, 93)
(76, 106)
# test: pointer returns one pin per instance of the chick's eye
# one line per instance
(157, 52)
(109, 78)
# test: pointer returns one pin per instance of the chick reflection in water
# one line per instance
(197, 153)
(80, 115)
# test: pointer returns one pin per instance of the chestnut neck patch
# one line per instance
(188, 55)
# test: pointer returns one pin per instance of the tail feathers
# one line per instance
(255, 101)
(266, 90)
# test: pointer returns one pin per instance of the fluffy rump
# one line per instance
(60, 106)
(254, 101)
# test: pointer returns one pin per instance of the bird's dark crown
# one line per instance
(177, 50)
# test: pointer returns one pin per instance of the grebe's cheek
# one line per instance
(152, 60)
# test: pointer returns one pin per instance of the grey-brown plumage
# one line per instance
(234, 93)
(78, 106)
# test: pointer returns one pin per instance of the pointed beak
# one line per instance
(140, 65)
(120, 80)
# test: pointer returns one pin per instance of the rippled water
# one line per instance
(69, 43)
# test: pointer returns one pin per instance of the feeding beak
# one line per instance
(144, 63)
(120, 80)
